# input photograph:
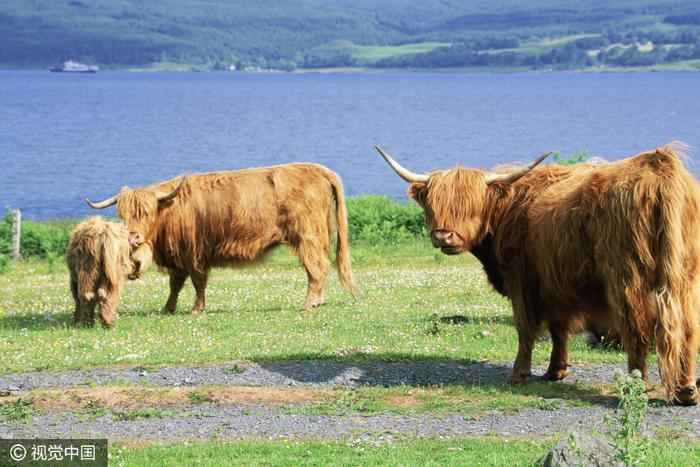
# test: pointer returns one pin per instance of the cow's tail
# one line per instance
(342, 249)
(674, 293)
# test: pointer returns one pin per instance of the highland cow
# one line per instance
(223, 218)
(616, 244)
(99, 260)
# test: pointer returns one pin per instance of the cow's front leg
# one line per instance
(522, 368)
(199, 280)
(177, 281)
(559, 359)
(526, 323)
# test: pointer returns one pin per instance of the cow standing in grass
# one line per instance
(616, 244)
(100, 259)
(222, 218)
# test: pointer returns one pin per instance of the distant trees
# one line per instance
(300, 33)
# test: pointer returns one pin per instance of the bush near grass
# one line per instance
(39, 239)
(379, 219)
(372, 219)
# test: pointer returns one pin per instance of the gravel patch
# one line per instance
(208, 421)
(211, 421)
(313, 374)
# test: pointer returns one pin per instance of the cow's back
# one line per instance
(604, 222)
(234, 216)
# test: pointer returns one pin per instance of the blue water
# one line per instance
(66, 137)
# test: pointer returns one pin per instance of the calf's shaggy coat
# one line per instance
(221, 218)
(99, 260)
(617, 244)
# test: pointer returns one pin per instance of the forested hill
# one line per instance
(287, 34)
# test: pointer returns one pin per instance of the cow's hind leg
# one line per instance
(314, 257)
(108, 306)
(559, 359)
(687, 389)
(634, 310)
(199, 280)
(177, 281)
(87, 310)
(77, 313)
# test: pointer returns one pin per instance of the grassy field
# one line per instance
(483, 452)
(368, 55)
(254, 314)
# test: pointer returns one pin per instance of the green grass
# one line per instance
(543, 45)
(471, 401)
(482, 452)
(368, 55)
(20, 409)
(146, 412)
(254, 314)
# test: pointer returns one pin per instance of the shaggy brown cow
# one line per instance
(99, 261)
(221, 218)
(615, 243)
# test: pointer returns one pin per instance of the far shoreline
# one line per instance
(375, 70)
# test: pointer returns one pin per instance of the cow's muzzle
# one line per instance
(451, 243)
(135, 239)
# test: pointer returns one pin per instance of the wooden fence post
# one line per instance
(16, 230)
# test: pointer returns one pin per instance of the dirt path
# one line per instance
(206, 420)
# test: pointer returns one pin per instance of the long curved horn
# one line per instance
(103, 204)
(402, 172)
(168, 196)
(513, 176)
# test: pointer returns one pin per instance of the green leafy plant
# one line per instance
(21, 409)
(146, 412)
(631, 446)
(575, 158)
(96, 409)
(196, 397)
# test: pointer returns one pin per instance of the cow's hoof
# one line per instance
(196, 311)
(167, 311)
(518, 378)
(687, 396)
(556, 374)
(312, 305)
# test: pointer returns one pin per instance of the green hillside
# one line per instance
(287, 34)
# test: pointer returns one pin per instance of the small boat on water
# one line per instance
(71, 66)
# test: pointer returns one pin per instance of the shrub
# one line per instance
(38, 239)
(378, 219)
(573, 159)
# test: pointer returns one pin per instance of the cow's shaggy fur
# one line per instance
(224, 218)
(99, 261)
(617, 244)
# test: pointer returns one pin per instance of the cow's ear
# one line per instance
(417, 192)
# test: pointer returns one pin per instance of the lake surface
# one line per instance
(66, 137)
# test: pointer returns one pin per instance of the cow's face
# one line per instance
(453, 201)
(138, 209)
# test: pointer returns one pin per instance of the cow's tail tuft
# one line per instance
(672, 287)
(342, 251)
